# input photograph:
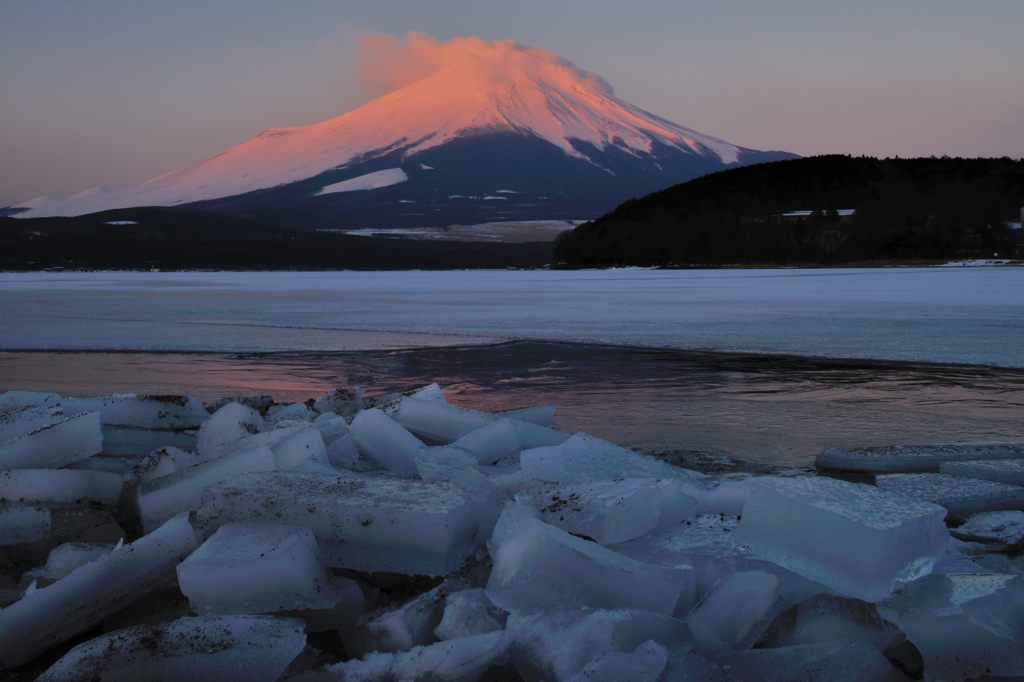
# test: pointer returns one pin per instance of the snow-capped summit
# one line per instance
(467, 118)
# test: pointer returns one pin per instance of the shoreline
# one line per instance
(774, 410)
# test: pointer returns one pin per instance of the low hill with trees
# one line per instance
(826, 210)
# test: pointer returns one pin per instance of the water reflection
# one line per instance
(765, 409)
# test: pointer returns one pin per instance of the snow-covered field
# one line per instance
(971, 315)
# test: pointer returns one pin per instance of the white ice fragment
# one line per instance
(161, 498)
(155, 412)
(826, 617)
(229, 423)
(371, 524)
(469, 612)
(537, 565)
(492, 442)
(36, 432)
(960, 496)
(557, 644)
(541, 415)
(83, 598)
(534, 436)
(60, 486)
(203, 649)
(342, 450)
(610, 512)
(583, 458)
(856, 539)
(344, 402)
(22, 523)
(848, 660)
(293, 412)
(1002, 470)
(644, 664)
(735, 612)
(165, 460)
(291, 445)
(67, 557)
(437, 421)
(385, 441)
(466, 659)
(248, 568)
(402, 628)
(912, 458)
(965, 626)
(1005, 528)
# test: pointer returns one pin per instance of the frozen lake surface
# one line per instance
(953, 315)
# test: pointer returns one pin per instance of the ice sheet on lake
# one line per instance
(913, 458)
(959, 495)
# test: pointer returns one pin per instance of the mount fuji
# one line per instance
(479, 132)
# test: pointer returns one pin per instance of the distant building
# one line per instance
(845, 215)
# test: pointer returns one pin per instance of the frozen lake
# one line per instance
(957, 315)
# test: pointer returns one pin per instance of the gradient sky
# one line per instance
(113, 92)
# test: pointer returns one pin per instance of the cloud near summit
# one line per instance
(386, 62)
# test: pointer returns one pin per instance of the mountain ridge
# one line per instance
(481, 94)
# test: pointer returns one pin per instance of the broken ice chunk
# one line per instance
(65, 558)
(83, 598)
(645, 664)
(469, 612)
(402, 628)
(248, 568)
(848, 660)
(466, 659)
(541, 415)
(826, 617)
(1005, 528)
(965, 626)
(735, 612)
(291, 445)
(214, 649)
(342, 450)
(293, 412)
(229, 423)
(385, 441)
(537, 565)
(60, 486)
(136, 424)
(36, 432)
(170, 412)
(439, 422)
(161, 498)
(912, 458)
(492, 442)
(584, 458)
(1002, 470)
(856, 539)
(165, 460)
(960, 496)
(21, 523)
(371, 524)
(344, 402)
(609, 512)
(557, 644)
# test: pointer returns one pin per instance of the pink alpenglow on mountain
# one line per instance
(467, 118)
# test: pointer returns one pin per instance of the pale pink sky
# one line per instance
(113, 92)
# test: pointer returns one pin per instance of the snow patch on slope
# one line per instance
(375, 180)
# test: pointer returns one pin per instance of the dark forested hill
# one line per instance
(904, 209)
(185, 239)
